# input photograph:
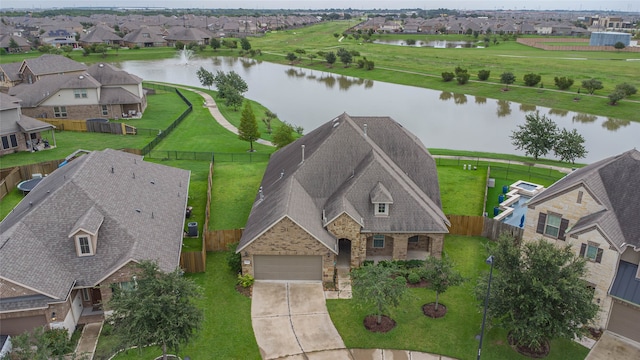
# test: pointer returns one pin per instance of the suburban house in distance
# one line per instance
(19, 132)
(100, 91)
(596, 211)
(356, 188)
(79, 233)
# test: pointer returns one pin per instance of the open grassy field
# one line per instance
(454, 334)
(422, 66)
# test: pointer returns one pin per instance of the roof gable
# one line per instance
(380, 194)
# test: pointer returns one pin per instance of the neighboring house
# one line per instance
(32, 70)
(58, 38)
(100, 35)
(188, 35)
(98, 92)
(144, 37)
(19, 132)
(5, 43)
(596, 210)
(356, 188)
(79, 234)
(9, 74)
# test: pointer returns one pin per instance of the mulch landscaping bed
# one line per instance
(527, 351)
(246, 291)
(422, 284)
(371, 323)
(430, 310)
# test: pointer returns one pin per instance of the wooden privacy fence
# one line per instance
(218, 240)
(481, 226)
(67, 124)
(11, 177)
(91, 126)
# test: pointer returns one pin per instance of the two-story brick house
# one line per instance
(596, 210)
(19, 132)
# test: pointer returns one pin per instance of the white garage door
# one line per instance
(625, 320)
(287, 267)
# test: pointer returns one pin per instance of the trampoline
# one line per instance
(28, 185)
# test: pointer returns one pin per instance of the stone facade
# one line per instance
(124, 274)
(574, 204)
(287, 238)
(344, 227)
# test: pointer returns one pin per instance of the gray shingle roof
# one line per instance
(53, 64)
(28, 124)
(8, 102)
(179, 33)
(117, 96)
(341, 167)
(380, 194)
(144, 35)
(11, 70)
(613, 181)
(143, 205)
(107, 74)
(100, 34)
(34, 94)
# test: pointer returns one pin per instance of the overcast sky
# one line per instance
(624, 5)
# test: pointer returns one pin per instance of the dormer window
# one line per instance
(84, 245)
(381, 200)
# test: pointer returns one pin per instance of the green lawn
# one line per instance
(461, 191)
(226, 331)
(235, 186)
(452, 335)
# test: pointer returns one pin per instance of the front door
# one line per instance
(96, 298)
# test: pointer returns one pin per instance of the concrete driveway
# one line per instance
(611, 346)
(290, 320)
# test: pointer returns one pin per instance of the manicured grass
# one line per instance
(10, 201)
(489, 155)
(452, 335)
(235, 186)
(422, 66)
(461, 191)
(226, 330)
(162, 109)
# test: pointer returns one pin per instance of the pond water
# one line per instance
(439, 44)
(309, 98)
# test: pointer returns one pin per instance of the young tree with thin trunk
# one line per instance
(441, 275)
(569, 146)
(159, 310)
(507, 78)
(248, 129)
(378, 287)
(592, 85)
(205, 77)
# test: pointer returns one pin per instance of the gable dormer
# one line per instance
(381, 200)
(85, 232)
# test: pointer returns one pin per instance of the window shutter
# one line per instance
(599, 256)
(564, 224)
(541, 221)
(583, 249)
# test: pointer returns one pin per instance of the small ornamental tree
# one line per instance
(532, 79)
(379, 287)
(484, 74)
(615, 96)
(507, 78)
(537, 292)
(245, 44)
(462, 78)
(537, 136)
(331, 58)
(569, 146)
(441, 275)
(205, 77)
(563, 83)
(283, 136)
(215, 44)
(448, 76)
(248, 129)
(627, 89)
(345, 56)
(592, 85)
(291, 57)
(159, 310)
(619, 45)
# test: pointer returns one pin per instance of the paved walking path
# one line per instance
(88, 340)
(471, 159)
(215, 112)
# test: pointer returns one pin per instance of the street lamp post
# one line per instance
(486, 303)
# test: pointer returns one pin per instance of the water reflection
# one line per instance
(248, 63)
(504, 108)
(344, 82)
(445, 95)
(459, 99)
(558, 112)
(614, 124)
(584, 118)
(481, 100)
(527, 108)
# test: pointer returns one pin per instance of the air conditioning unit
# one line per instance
(192, 229)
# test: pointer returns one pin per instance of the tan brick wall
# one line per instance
(396, 245)
(9, 290)
(344, 227)
(73, 111)
(61, 310)
(123, 274)
(387, 250)
(287, 238)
